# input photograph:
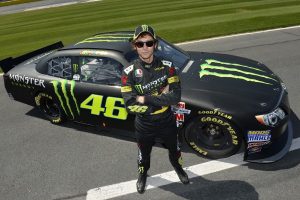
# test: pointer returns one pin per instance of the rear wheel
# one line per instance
(213, 136)
(50, 108)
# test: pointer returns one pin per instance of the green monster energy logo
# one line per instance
(145, 27)
(64, 99)
(139, 89)
(236, 71)
(122, 37)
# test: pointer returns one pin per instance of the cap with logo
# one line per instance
(143, 29)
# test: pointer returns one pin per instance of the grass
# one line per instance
(174, 20)
(14, 2)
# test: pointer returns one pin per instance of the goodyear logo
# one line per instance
(64, 91)
(221, 69)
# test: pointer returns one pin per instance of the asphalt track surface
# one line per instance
(39, 160)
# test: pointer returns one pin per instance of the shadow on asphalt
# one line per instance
(201, 188)
(289, 161)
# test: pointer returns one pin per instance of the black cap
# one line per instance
(143, 29)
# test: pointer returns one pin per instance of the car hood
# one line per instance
(230, 80)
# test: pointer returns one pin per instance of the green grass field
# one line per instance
(175, 20)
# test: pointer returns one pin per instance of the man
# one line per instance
(149, 87)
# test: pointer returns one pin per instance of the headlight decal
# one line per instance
(271, 119)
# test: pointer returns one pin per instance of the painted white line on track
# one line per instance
(51, 6)
(60, 4)
(237, 35)
(129, 187)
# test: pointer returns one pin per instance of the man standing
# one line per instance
(149, 87)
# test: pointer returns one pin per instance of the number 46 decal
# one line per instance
(94, 103)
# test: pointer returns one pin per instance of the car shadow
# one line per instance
(288, 161)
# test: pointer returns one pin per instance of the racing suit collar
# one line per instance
(148, 65)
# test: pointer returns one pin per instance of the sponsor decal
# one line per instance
(22, 79)
(168, 63)
(64, 91)
(257, 139)
(215, 112)
(138, 73)
(149, 86)
(124, 79)
(259, 136)
(128, 69)
(221, 69)
(158, 68)
(38, 57)
(172, 71)
(126, 89)
(93, 53)
(179, 112)
(174, 79)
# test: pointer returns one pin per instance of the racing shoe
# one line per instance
(141, 183)
(182, 175)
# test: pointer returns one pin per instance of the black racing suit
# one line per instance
(154, 118)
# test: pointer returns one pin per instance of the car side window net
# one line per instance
(60, 67)
(101, 70)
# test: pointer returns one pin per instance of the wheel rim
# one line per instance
(50, 108)
(211, 136)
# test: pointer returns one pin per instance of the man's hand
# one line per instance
(165, 90)
(140, 99)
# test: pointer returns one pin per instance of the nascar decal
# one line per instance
(107, 38)
(22, 79)
(235, 71)
(64, 91)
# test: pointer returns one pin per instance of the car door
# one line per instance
(98, 90)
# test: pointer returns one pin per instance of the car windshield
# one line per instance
(166, 51)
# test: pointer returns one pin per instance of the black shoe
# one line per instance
(182, 176)
(141, 183)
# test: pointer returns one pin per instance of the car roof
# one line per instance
(118, 41)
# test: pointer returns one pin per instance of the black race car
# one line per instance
(226, 100)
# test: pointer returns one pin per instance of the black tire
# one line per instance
(213, 136)
(50, 108)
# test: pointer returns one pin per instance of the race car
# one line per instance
(226, 100)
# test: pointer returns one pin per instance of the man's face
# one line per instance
(145, 52)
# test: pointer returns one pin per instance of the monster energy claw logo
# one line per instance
(65, 101)
(235, 71)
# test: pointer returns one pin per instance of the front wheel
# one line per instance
(213, 136)
(50, 108)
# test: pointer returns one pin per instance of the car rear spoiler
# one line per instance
(9, 63)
